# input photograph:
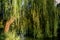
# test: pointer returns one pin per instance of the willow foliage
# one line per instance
(36, 17)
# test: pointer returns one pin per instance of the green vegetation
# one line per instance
(34, 19)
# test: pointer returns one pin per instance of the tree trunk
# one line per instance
(8, 23)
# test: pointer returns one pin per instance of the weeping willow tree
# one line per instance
(14, 13)
(45, 18)
(53, 18)
(38, 19)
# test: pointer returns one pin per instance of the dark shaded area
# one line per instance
(1, 16)
(2, 36)
(58, 6)
(29, 33)
(1, 30)
(2, 19)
